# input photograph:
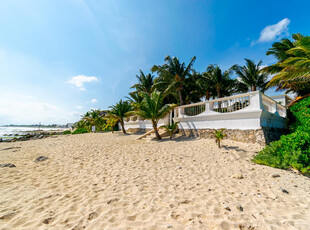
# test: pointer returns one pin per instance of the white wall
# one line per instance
(254, 116)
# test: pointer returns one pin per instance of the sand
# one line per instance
(111, 181)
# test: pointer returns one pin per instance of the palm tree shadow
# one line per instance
(236, 148)
(178, 139)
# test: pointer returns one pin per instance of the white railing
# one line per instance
(231, 104)
(246, 101)
(269, 104)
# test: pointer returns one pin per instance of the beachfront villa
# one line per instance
(249, 117)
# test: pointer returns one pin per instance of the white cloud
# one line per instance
(79, 81)
(272, 32)
(93, 100)
(79, 107)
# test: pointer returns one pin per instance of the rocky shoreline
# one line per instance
(31, 136)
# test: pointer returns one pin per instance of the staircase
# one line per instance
(150, 135)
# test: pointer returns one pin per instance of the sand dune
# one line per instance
(111, 181)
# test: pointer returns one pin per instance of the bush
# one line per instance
(80, 131)
(66, 132)
(292, 150)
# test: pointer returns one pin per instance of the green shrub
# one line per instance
(80, 131)
(292, 150)
(66, 132)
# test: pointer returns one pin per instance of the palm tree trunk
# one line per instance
(180, 97)
(208, 95)
(158, 137)
(123, 128)
(253, 88)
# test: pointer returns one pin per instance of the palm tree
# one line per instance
(292, 69)
(251, 75)
(119, 111)
(171, 128)
(135, 99)
(220, 83)
(172, 76)
(95, 118)
(219, 135)
(153, 108)
(145, 83)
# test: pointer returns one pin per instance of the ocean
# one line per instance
(16, 131)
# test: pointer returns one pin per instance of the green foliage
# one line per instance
(252, 76)
(80, 131)
(145, 84)
(173, 76)
(119, 111)
(66, 132)
(219, 135)
(292, 150)
(291, 72)
(171, 128)
(153, 108)
(111, 122)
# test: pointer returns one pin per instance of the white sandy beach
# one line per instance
(111, 181)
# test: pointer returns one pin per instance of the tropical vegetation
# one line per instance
(292, 71)
(219, 136)
(171, 128)
(119, 111)
(292, 150)
(154, 109)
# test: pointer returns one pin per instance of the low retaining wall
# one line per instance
(261, 136)
(137, 130)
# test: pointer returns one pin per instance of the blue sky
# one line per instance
(60, 58)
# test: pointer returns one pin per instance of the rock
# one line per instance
(92, 215)
(284, 190)
(239, 207)
(169, 226)
(237, 176)
(48, 220)
(227, 208)
(41, 158)
(275, 175)
(9, 165)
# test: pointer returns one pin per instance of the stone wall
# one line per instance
(261, 136)
(137, 130)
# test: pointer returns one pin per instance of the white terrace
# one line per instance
(249, 111)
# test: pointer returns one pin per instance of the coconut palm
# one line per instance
(135, 99)
(219, 135)
(251, 75)
(119, 111)
(220, 83)
(153, 108)
(95, 118)
(171, 128)
(145, 83)
(292, 69)
(172, 76)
